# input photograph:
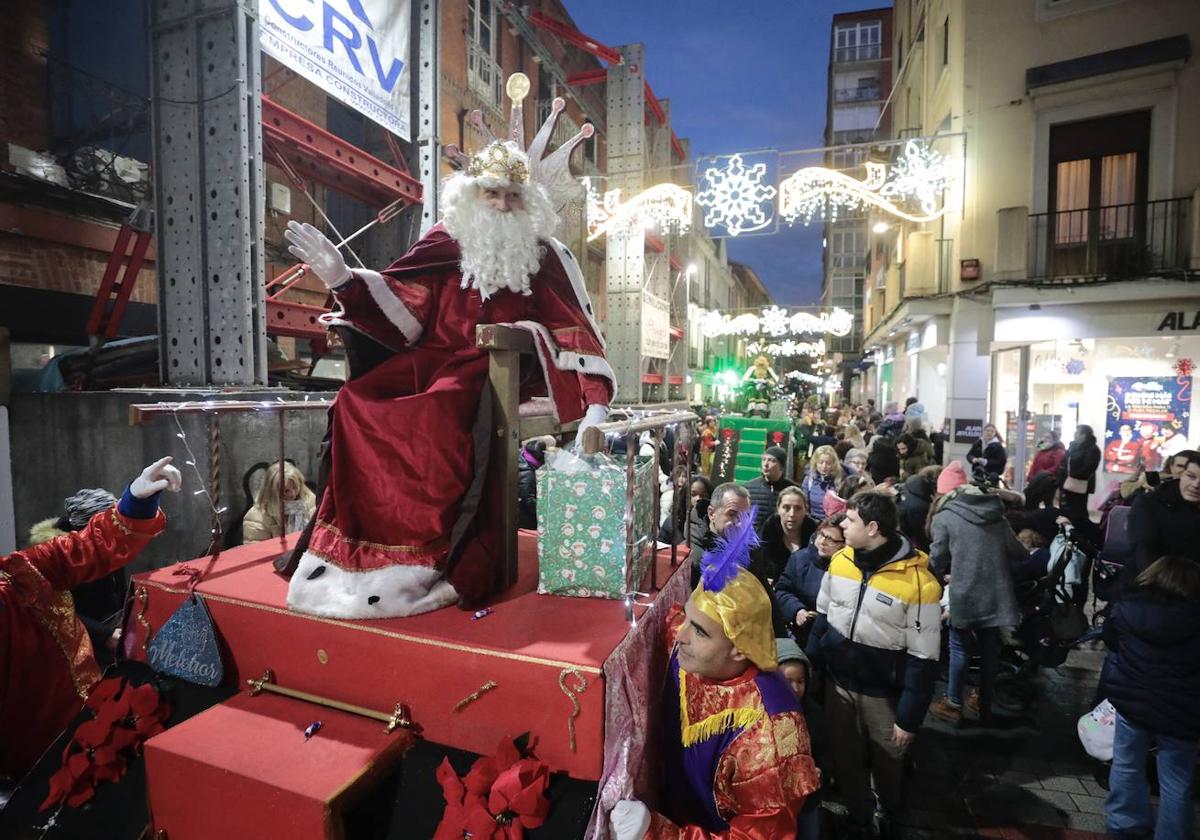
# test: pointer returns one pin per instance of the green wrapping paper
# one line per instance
(582, 532)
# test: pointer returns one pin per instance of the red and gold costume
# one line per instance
(47, 665)
(736, 755)
(410, 438)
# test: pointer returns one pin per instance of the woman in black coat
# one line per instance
(1081, 463)
(1152, 679)
(787, 530)
(989, 452)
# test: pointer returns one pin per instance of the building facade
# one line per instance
(1061, 276)
(860, 76)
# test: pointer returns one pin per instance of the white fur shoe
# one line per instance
(320, 588)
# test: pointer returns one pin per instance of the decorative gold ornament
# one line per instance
(475, 695)
(581, 685)
(499, 160)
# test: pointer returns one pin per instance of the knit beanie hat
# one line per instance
(778, 453)
(954, 475)
(786, 650)
(81, 507)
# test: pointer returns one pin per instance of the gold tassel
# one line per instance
(713, 725)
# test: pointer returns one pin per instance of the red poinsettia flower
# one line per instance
(92, 733)
(518, 797)
(484, 771)
(104, 691)
(454, 820)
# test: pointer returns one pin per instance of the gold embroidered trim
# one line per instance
(580, 686)
(336, 532)
(693, 733)
(379, 631)
(121, 526)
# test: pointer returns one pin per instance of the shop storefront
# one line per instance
(1134, 389)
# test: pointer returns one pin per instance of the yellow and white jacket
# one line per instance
(879, 629)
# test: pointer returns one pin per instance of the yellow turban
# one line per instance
(743, 609)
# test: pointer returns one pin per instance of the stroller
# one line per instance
(1052, 615)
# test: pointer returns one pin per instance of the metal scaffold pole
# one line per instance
(208, 186)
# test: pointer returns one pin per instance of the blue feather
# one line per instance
(730, 553)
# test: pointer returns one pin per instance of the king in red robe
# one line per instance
(406, 523)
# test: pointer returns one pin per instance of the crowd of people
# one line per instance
(887, 570)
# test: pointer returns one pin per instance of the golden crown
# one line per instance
(499, 160)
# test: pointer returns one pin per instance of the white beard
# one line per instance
(499, 250)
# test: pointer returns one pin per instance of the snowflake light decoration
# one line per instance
(666, 207)
(1075, 367)
(775, 322)
(918, 176)
(1184, 367)
(736, 199)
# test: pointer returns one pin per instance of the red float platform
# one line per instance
(545, 653)
(244, 769)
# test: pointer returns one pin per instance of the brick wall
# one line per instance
(24, 38)
(25, 261)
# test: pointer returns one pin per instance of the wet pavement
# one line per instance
(1024, 778)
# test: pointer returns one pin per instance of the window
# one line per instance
(946, 41)
(1097, 191)
(857, 41)
(483, 67)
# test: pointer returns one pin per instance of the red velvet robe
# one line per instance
(47, 665)
(407, 442)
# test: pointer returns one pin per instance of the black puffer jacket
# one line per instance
(882, 461)
(1152, 675)
(995, 454)
(915, 497)
(1162, 522)
(1081, 462)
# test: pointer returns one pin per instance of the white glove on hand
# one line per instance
(314, 249)
(595, 414)
(630, 820)
(155, 478)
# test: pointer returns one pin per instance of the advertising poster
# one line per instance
(354, 50)
(1146, 421)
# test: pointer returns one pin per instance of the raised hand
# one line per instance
(155, 478)
(314, 249)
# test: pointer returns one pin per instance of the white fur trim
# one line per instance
(391, 306)
(566, 359)
(337, 593)
(575, 275)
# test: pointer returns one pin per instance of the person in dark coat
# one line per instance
(699, 492)
(1167, 520)
(989, 453)
(916, 495)
(974, 546)
(882, 461)
(1081, 463)
(764, 490)
(1152, 679)
(533, 455)
(786, 531)
(797, 589)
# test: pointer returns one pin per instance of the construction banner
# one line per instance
(354, 50)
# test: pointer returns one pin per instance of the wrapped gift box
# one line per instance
(243, 768)
(582, 532)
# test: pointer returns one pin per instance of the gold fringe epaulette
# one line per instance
(694, 733)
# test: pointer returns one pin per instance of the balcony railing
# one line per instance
(1119, 240)
(856, 94)
(484, 75)
(862, 52)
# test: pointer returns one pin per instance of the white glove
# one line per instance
(155, 478)
(314, 249)
(630, 820)
(596, 413)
